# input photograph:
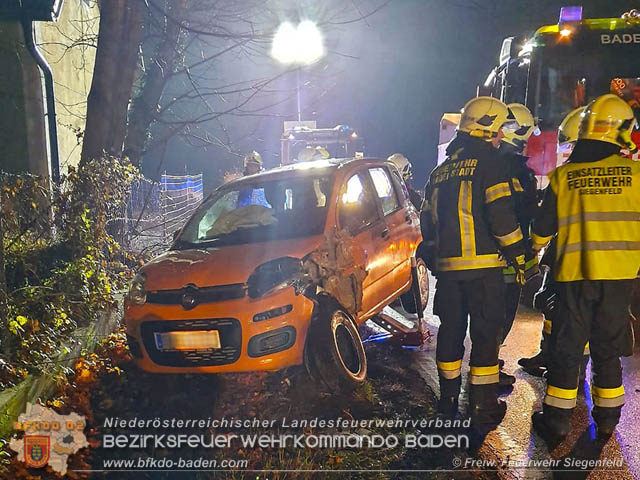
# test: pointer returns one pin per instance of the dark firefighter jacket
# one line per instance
(468, 219)
(525, 195)
(593, 203)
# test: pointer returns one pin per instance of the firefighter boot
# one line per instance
(449, 393)
(537, 364)
(552, 424)
(506, 380)
(448, 406)
(606, 419)
(486, 410)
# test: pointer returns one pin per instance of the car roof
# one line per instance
(302, 168)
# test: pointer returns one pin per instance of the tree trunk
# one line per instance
(121, 25)
(144, 107)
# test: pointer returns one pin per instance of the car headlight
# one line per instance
(137, 293)
(273, 276)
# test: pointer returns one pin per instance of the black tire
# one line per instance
(335, 353)
(408, 302)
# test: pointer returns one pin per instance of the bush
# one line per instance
(62, 265)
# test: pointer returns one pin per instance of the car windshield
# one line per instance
(568, 82)
(259, 211)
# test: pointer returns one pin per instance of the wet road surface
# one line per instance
(513, 446)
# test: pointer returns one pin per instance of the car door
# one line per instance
(409, 231)
(398, 225)
(359, 214)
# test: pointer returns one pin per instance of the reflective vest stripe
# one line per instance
(608, 392)
(608, 402)
(599, 217)
(481, 371)
(510, 238)
(465, 217)
(608, 397)
(470, 263)
(516, 185)
(538, 241)
(566, 403)
(484, 375)
(484, 379)
(434, 209)
(562, 392)
(450, 370)
(561, 397)
(497, 191)
(449, 365)
(592, 246)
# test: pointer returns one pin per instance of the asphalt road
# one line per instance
(515, 449)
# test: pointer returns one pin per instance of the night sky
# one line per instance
(390, 77)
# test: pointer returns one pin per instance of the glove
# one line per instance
(518, 265)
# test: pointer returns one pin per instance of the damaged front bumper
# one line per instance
(267, 333)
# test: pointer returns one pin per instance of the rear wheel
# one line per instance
(334, 352)
(407, 299)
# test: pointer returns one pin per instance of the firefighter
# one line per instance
(252, 163)
(310, 154)
(525, 194)
(403, 165)
(592, 204)
(466, 214)
(544, 300)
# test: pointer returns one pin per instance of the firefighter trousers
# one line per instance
(594, 311)
(456, 300)
(512, 300)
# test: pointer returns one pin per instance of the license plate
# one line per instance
(191, 340)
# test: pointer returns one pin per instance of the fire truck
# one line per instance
(341, 141)
(564, 66)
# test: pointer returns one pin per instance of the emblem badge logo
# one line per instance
(36, 450)
(190, 297)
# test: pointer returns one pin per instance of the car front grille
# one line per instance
(218, 293)
(229, 330)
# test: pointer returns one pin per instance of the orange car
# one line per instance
(279, 269)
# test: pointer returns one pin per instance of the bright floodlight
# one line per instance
(302, 44)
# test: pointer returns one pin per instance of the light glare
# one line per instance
(302, 44)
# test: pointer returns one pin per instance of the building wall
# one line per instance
(68, 45)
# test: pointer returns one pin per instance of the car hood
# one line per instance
(220, 266)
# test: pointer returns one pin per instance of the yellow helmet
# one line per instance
(484, 117)
(608, 119)
(570, 126)
(518, 135)
(309, 154)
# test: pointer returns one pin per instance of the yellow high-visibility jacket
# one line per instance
(595, 208)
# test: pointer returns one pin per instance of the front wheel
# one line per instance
(335, 352)
(407, 299)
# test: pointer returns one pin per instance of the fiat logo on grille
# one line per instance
(190, 297)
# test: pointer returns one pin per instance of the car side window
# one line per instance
(357, 207)
(401, 186)
(384, 189)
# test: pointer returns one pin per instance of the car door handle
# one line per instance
(385, 233)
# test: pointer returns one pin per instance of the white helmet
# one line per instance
(403, 164)
(252, 158)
